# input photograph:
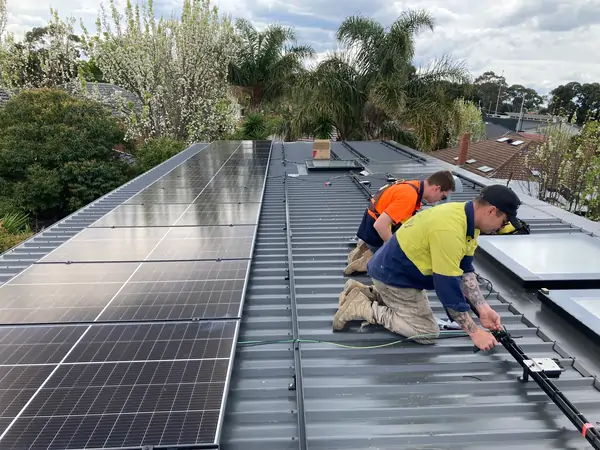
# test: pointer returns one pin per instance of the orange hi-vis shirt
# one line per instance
(400, 201)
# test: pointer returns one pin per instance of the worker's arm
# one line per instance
(398, 211)
(470, 288)
(447, 252)
(383, 226)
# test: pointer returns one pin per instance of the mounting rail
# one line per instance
(297, 381)
(356, 153)
(406, 151)
(541, 370)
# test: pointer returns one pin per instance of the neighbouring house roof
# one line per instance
(505, 159)
(109, 95)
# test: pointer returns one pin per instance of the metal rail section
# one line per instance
(541, 370)
(405, 151)
(296, 384)
(356, 153)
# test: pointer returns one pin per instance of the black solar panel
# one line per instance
(111, 340)
(37, 345)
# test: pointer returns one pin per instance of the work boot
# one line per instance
(369, 291)
(356, 307)
(359, 265)
(360, 248)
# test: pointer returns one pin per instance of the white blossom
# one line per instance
(176, 67)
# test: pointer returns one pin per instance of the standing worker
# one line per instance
(432, 250)
(393, 205)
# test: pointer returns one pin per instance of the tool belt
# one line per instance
(375, 199)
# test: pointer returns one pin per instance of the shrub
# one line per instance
(56, 153)
(155, 151)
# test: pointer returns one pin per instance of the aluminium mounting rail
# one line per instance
(356, 153)
(405, 151)
(541, 372)
(297, 383)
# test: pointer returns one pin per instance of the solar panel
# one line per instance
(178, 243)
(28, 345)
(126, 351)
(17, 385)
(154, 291)
(170, 394)
(583, 307)
(202, 299)
(41, 303)
(548, 260)
(184, 215)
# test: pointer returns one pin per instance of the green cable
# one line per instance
(442, 335)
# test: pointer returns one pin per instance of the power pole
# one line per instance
(520, 122)
(499, 90)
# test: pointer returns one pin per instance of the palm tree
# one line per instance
(267, 63)
(371, 90)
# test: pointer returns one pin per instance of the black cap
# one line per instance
(505, 199)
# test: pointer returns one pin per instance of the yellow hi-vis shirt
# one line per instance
(430, 251)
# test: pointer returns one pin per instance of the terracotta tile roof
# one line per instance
(504, 158)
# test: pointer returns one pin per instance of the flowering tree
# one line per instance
(3, 17)
(466, 119)
(47, 56)
(176, 67)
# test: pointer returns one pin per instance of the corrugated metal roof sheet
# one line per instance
(406, 396)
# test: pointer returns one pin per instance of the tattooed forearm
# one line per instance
(464, 320)
(470, 288)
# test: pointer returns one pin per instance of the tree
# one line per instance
(3, 17)
(370, 89)
(518, 94)
(488, 86)
(562, 102)
(467, 120)
(177, 68)
(267, 63)
(56, 153)
(47, 57)
(564, 165)
(156, 151)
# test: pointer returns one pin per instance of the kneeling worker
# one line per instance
(432, 250)
(393, 205)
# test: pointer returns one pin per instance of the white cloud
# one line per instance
(538, 43)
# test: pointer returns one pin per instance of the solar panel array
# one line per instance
(123, 337)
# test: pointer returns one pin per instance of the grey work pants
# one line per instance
(406, 312)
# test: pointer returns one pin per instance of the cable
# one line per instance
(488, 283)
(442, 335)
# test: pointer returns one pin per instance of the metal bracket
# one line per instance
(548, 366)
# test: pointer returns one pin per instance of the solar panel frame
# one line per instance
(565, 301)
(529, 279)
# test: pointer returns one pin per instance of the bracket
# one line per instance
(548, 366)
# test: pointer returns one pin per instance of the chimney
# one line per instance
(463, 149)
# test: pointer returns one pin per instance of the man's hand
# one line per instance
(490, 319)
(484, 340)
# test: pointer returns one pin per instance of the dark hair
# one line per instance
(444, 179)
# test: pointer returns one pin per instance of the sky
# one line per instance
(537, 43)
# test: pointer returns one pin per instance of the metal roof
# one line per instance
(319, 396)
(406, 396)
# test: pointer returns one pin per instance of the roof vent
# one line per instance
(485, 169)
(455, 158)
(517, 142)
(471, 161)
(535, 173)
(502, 139)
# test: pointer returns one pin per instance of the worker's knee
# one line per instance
(427, 335)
